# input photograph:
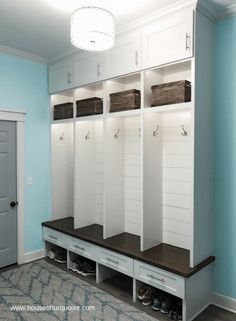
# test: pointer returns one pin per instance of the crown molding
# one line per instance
(229, 11)
(215, 12)
(181, 4)
(22, 54)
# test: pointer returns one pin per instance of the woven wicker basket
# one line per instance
(171, 93)
(63, 111)
(90, 106)
(125, 100)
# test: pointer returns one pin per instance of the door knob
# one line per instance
(13, 204)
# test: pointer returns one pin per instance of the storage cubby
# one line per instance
(56, 249)
(89, 166)
(90, 91)
(121, 84)
(161, 75)
(122, 176)
(62, 167)
(62, 98)
(148, 308)
(72, 258)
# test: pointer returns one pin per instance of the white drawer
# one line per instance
(55, 237)
(83, 248)
(116, 261)
(160, 279)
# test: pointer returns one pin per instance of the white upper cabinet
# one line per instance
(61, 76)
(90, 68)
(124, 57)
(168, 39)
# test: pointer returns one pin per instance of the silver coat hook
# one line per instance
(155, 133)
(117, 134)
(184, 132)
(87, 136)
(62, 137)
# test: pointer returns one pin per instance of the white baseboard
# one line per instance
(223, 302)
(35, 255)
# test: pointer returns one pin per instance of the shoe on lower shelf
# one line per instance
(148, 297)
(157, 301)
(142, 291)
(166, 305)
(51, 254)
(89, 269)
(60, 257)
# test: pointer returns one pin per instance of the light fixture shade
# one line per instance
(92, 28)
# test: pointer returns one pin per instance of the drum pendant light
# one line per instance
(92, 28)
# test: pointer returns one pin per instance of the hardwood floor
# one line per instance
(213, 313)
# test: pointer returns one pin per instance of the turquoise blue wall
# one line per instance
(23, 86)
(225, 158)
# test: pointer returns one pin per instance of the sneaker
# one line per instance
(157, 301)
(142, 291)
(89, 269)
(148, 297)
(79, 267)
(60, 257)
(51, 254)
(166, 305)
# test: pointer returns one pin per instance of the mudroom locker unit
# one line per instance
(132, 189)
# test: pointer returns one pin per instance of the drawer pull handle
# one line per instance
(112, 261)
(79, 247)
(53, 237)
(155, 278)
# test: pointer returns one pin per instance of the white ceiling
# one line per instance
(42, 27)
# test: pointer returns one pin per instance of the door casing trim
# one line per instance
(18, 117)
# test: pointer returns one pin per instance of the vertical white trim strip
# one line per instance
(20, 192)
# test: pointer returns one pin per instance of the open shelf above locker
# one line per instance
(162, 75)
(63, 102)
(122, 84)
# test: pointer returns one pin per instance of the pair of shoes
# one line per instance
(83, 267)
(157, 301)
(146, 294)
(51, 254)
(176, 312)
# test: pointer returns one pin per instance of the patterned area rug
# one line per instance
(42, 286)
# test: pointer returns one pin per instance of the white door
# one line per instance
(168, 39)
(8, 202)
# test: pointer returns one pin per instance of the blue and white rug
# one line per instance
(44, 292)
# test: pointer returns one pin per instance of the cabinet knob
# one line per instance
(13, 204)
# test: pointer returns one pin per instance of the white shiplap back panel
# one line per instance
(84, 174)
(177, 179)
(114, 222)
(62, 151)
(152, 224)
(99, 181)
(89, 173)
(132, 174)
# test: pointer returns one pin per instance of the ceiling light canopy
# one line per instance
(92, 28)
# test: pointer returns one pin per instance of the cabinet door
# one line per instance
(90, 69)
(61, 76)
(167, 40)
(124, 57)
